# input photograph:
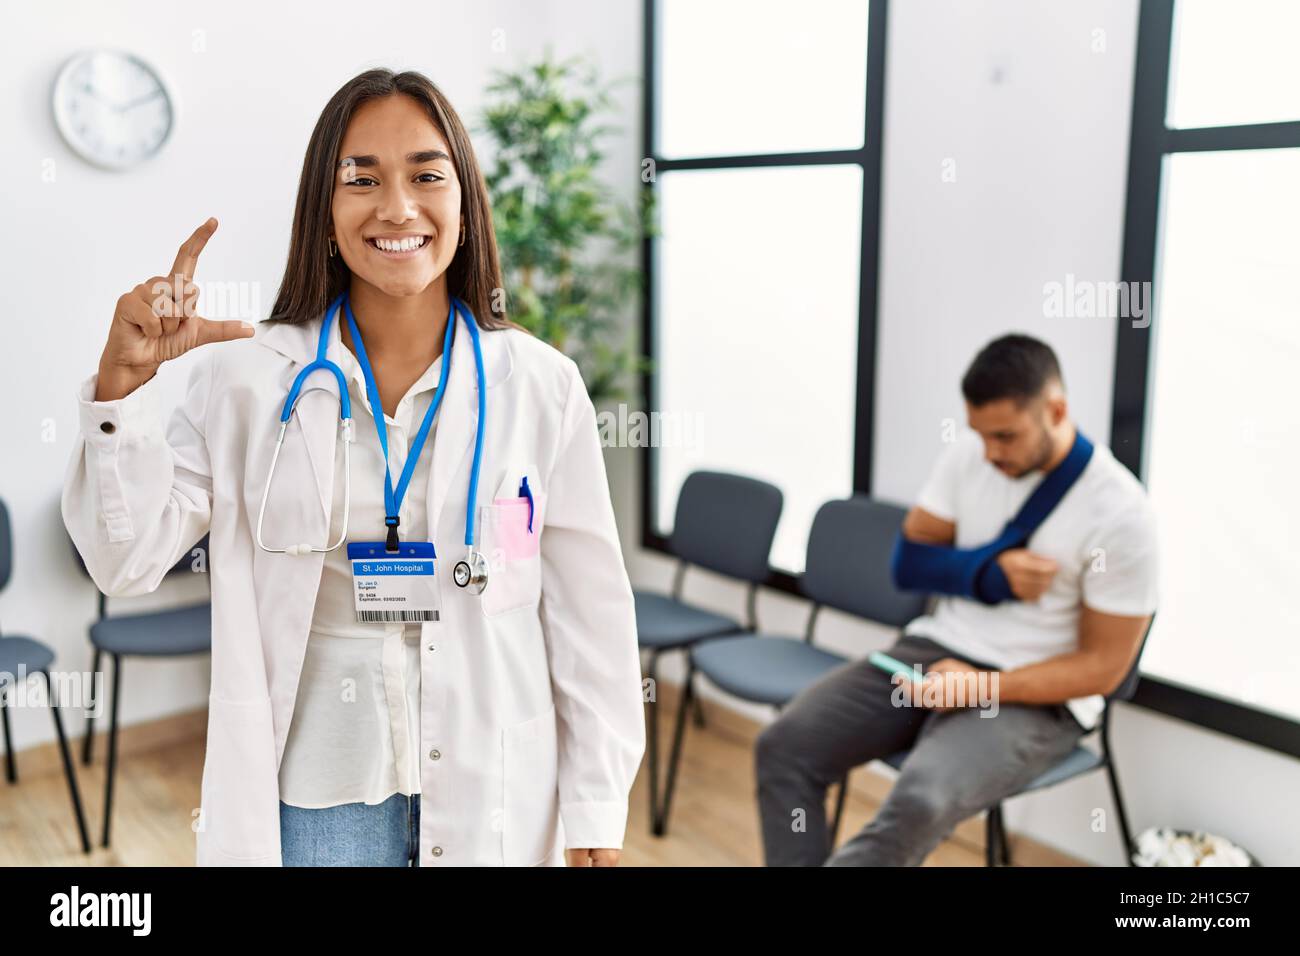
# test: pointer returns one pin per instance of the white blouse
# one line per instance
(355, 732)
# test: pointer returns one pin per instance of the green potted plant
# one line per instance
(567, 246)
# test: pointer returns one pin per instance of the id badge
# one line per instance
(394, 586)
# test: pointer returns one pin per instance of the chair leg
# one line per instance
(68, 770)
(994, 838)
(11, 767)
(652, 740)
(839, 812)
(698, 710)
(675, 756)
(1113, 777)
(112, 747)
(1120, 815)
(88, 742)
(1003, 847)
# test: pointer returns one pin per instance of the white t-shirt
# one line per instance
(355, 732)
(1101, 534)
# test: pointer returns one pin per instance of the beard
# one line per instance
(1042, 455)
(1045, 451)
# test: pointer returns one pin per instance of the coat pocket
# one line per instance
(530, 823)
(513, 552)
(240, 791)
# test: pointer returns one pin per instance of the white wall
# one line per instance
(1037, 125)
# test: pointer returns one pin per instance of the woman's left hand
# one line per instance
(591, 857)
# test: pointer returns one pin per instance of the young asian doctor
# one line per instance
(373, 703)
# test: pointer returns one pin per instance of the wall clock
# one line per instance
(112, 108)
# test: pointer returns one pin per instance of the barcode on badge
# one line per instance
(384, 617)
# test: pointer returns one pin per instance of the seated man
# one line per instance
(1051, 607)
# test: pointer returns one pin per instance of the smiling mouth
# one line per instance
(403, 248)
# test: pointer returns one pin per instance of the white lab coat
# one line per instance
(531, 714)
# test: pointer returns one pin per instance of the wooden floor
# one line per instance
(714, 817)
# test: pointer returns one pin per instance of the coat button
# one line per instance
(436, 851)
(434, 755)
(107, 427)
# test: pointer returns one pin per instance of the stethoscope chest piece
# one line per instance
(471, 572)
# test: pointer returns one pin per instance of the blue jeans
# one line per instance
(352, 834)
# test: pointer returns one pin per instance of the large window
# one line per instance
(763, 122)
(1205, 397)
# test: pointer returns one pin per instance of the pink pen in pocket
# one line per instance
(516, 532)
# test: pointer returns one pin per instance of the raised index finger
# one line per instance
(187, 257)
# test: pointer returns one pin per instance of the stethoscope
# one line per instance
(472, 570)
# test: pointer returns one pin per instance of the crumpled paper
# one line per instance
(1164, 846)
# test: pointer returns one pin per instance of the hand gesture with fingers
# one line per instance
(155, 322)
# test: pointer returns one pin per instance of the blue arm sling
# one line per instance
(974, 572)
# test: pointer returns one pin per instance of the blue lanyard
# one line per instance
(1049, 492)
(393, 499)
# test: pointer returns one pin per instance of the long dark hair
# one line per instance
(313, 278)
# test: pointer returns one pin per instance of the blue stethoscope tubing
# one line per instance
(473, 569)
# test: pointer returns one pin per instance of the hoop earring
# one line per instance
(333, 248)
(462, 236)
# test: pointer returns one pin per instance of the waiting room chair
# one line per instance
(26, 655)
(173, 632)
(847, 569)
(724, 523)
(1079, 761)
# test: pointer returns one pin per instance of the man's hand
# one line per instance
(591, 857)
(1029, 574)
(949, 684)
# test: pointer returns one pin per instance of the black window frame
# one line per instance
(868, 157)
(1150, 141)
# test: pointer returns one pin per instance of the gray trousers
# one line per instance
(959, 763)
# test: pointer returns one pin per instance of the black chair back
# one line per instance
(6, 546)
(726, 523)
(849, 550)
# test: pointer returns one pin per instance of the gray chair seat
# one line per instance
(31, 655)
(766, 670)
(182, 630)
(1077, 761)
(663, 622)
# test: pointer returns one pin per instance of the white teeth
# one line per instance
(400, 245)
